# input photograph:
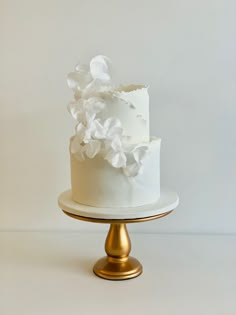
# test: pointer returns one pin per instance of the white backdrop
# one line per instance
(185, 50)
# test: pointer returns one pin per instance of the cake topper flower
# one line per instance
(87, 81)
(115, 154)
(93, 135)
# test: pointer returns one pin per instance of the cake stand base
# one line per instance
(117, 269)
(118, 265)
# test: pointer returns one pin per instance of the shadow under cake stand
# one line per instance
(118, 265)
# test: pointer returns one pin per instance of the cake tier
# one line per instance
(96, 183)
(130, 104)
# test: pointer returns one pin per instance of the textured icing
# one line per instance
(96, 183)
(131, 106)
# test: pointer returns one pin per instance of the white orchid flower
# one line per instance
(136, 158)
(79, 79)
(90, 149)
(84, 112)
(100, 68)
(86, 129)
(75, 108)
(84, 118)
(94, 105)
(109, 129)
(79, 108)
(100, 73)
(90, 81)
(115, 155)
(84, 109)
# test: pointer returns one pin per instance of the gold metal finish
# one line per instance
(135, 220)
(117, 265)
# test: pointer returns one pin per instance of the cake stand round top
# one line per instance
(167, 202)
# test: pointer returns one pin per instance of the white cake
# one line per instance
(114, 163)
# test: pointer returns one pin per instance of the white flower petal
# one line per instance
(139, 153)
(92, 89)
(112, 123)
(94, 104)
(80, 132)
(113, 127)
(99, 68)
(109, 156)
(119, 160)
(72, 80)
(95, 88)
(99, 131)
(92, 148)
(75, 109)
(116, 144)
(116, 159)
(78, 80)
(89, 116)
(132, 170)
(113, 132)
(90, 131)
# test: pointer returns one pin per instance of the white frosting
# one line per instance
(96, 183)
(129, 104)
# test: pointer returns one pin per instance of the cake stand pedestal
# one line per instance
(118, 265)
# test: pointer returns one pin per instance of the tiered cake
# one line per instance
(114, 163)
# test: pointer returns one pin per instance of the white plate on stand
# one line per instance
(168, 201)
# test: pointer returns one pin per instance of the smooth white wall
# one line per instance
(185, 50)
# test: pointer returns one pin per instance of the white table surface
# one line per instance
(51, 273)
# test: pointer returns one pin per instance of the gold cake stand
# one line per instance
(117, 265)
